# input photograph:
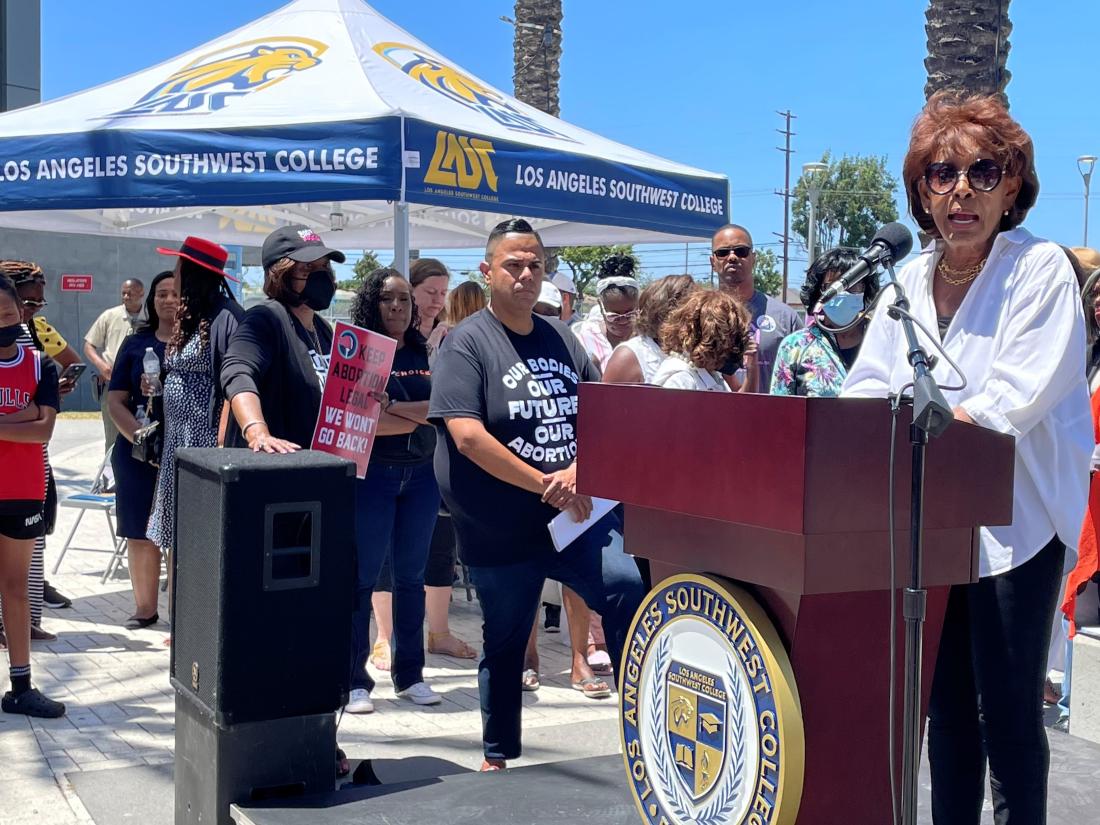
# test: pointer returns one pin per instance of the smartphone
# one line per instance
(73, 372)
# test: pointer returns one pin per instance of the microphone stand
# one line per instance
(931, 416)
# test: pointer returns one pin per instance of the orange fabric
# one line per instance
(1088, 557)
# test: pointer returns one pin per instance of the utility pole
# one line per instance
(786, 195)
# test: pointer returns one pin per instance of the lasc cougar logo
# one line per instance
(431, 71)
(209, 83)
(711, 724)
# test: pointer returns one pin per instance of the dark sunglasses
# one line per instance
(982, 176)
(30, 303)
(739, 251)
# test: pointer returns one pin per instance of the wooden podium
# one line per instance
(789, 498)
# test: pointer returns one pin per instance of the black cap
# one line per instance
(299, 243)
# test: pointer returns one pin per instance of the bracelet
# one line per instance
(244, 430)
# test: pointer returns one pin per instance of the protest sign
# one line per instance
(358, 367)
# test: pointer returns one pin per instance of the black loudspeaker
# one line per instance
(265, 573)
(216, 767)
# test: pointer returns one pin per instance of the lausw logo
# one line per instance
(210, 82)
(461, 162)
(431, 71)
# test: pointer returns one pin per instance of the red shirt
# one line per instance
(24, 474)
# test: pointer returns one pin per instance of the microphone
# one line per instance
(890, 243)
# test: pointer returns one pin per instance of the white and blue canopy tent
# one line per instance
(325, 113)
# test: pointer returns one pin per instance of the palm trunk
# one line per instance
(538, 53)
(968, 46)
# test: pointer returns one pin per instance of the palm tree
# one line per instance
(537, 49)
(967, 46)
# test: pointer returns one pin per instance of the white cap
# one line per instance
(563, 282)
(549, 294)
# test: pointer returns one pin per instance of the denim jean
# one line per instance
(1067, 669)
(396, 510)
(596, 568)
(1063, 703)
(987, 695)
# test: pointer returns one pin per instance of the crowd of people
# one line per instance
(476, 447)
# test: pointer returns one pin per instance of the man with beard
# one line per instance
(732, 258)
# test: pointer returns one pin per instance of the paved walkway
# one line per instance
(120, 704)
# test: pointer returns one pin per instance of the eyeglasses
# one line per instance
(618, 317)
(739, 251)
(982, 176)
(31, 303)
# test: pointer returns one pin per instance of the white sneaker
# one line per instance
(420, 694)
(359, 701)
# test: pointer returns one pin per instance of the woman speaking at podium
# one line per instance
(1006, 308)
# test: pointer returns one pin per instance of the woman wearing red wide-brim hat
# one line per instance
(194, 412)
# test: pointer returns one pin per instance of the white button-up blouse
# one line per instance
(1019, 337)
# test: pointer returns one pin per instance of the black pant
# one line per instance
(596, 569)
(987, 695)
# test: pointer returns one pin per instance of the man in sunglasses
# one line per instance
(732, 258)
(104, 340)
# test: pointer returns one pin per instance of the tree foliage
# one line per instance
(857, 197)
(584, 263)
(363, 267)
(766, 274)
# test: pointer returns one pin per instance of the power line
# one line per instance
(786, 193)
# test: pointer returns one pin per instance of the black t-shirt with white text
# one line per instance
(523, 388)
(410, 380)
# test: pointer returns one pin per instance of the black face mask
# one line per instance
(9, 335)
(318, 291)
(731, 366)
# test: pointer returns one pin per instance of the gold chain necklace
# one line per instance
(958, 277)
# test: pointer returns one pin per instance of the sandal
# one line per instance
(531, 681)
(599, 661)
(380, 656)
(444, 644)
(1051, 694)
(487, 766)
(593, 687)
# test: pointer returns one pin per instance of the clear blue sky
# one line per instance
(699, 85)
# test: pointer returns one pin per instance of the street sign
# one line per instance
(76, 283)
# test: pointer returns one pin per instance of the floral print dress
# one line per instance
(187, 391)
(808, 364)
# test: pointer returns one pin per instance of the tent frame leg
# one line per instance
(401, 237)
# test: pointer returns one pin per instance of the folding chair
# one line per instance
(99, 498)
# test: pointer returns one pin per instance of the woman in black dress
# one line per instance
(133, 404)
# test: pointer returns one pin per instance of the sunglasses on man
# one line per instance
(982, 176)
(31, 303)
(740, 251)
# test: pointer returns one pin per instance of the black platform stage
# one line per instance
(559, 793)
(421, 790)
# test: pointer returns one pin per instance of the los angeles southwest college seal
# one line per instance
(711, 721)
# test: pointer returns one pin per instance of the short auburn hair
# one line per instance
(708, 328)
(953, 121)
(658, 299)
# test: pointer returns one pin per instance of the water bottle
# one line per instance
(150, 365)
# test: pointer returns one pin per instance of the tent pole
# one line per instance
(401, 237)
